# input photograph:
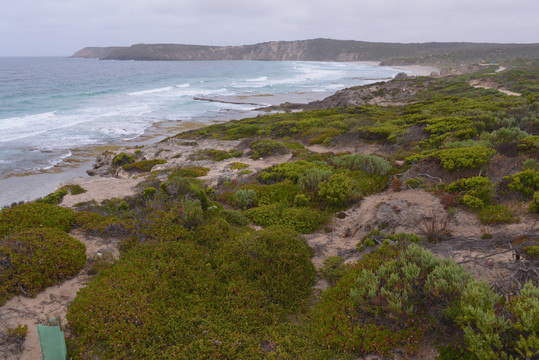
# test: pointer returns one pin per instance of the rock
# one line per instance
(401, 76)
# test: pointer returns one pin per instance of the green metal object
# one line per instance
(51, 340)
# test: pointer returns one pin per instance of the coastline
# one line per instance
(405, 206)
(29, 187)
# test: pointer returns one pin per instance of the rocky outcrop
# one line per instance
(321, 50)
(402, 90)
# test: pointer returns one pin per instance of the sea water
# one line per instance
(52, 105)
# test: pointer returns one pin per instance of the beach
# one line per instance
(34, 184)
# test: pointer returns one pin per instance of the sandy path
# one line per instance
(99, 189)
(486, 84)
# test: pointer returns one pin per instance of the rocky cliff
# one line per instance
(321, 50)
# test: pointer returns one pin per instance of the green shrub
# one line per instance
(284, 191)
(238, 165)
(370, 163)
(529, 145)
(280, 261)
(235, 217)
(476, 191)
(530, 164)
(490, 333)
(214, 154)
(99, 225)
(264, 148)
(526, 182)
(464, 158)
(54, 198)
(534, 205)
(323, 135)
(185, 299)
(35, 215)
(143, 165)
(387, 301)
(332, 269)
(300, 219)
(57, 196)
(339, 190)
(192, 171)
(292, 171)
(33, 259)
(244, 198)
(123, 159)
(414, 182)
(441, 126)
(496, 214)
(149, 192)
(76, 189)
(301, 200)
(311, 178)
(505, 135)
(192, 212)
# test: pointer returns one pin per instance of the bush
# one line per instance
(214, 154)
(192, 212)
(387, 301)
(244, 198)
(529, 145)
(143, 165)
(526, 182)
(494, 332)
(264, 148)
(238, 165)
(311, 179)
(292, 171)
(149, 192)
(33, 259)
(414, 183)
(192, 171)
(496, 214)
(300, 219)
(530, 164)
(370, 163)
(464, 158)
(76, 189)
(477, 191)
(235, 217)
(35, 215)
(280, 261)
(332, 269)
(339, 190)
(534, 205)
(123, 159)
(184, 299)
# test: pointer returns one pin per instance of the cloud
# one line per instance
(59, 27)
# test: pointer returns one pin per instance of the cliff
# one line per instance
(322, 50)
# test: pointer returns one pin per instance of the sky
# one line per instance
(61, 27)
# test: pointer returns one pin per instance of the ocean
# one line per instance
(54, 111)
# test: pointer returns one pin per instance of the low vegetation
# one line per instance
(196, 279)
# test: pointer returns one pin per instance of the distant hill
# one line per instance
(323, 50)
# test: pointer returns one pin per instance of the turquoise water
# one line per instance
(50, 106)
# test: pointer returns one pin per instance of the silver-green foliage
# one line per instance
(370, 163)
(396, 282)
(493, 331)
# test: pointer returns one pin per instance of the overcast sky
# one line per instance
(61, 27)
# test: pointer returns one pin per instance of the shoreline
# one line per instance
(31, 186)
